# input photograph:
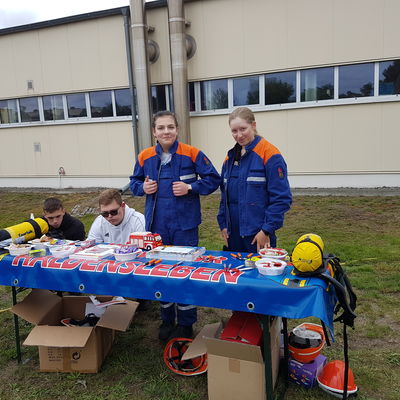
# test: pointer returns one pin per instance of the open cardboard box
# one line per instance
(236, 370)
(66, 348)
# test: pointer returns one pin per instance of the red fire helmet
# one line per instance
(173, 352)
(331, 379)
(306, 342)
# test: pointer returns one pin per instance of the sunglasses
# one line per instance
(113, 213)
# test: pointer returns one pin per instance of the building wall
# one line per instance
(346, 145)
(65, 58)
(356, 139)
(235, 37)
(95, 149)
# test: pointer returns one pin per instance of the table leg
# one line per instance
(269, 390)
(16, 327)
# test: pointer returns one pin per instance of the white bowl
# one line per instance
(127, 256)
(19, 251)
(270, 266)
(39, 246)
(275, 253)
(62, 251)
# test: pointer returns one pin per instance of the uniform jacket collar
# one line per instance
(249, 147)
(172, 150)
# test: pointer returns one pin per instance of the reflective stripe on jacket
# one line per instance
(264, 192)
(189, 165)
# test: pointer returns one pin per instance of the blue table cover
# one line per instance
(203, 282)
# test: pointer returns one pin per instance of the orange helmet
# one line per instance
(331, 379)
(306, 342)
(173, 352)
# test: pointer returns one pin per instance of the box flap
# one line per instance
(243, 327)
(36, 305)
(240, 351)
(198, 346)
(58, 336)
(118, 316)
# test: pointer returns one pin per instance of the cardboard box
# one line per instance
(236, 370)
(306, 374)
(71, 348)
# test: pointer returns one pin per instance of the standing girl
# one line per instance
(255, 192)
(173, 175)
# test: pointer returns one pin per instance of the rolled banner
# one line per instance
(27, 230)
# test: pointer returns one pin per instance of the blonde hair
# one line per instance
(108, 196)
(243, 113)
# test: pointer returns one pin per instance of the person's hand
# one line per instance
(180, 188)
(149, 186)
(262, 241)
(225, 236)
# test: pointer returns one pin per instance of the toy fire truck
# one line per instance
(145, 240)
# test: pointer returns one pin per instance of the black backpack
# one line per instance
(347, 300)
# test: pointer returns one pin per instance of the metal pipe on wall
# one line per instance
(177, 38)
(141, 72)
(125, 14)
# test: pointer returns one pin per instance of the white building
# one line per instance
(322, 76)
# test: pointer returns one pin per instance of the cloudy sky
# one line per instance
(21, 12)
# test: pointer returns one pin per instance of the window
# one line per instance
(316, 84)
(214, 94)
(101, 104)
(29, 108)
(246, 91)
(8, 112)
(356, 80)
(123, 102)
(280, 88)
(191, 96)
(159, 101)
(76, 105)
(389, 77)
(53, 108)
(170, 90)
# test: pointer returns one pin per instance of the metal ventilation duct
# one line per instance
(177, 39)
(141, 72)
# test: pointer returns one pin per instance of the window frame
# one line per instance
(198, 111)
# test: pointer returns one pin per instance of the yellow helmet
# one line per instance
(307, 255)
(314, 237)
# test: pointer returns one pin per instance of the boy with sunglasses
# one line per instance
(116, 220)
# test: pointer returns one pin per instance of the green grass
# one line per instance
(363, 231)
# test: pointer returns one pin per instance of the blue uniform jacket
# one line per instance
(188, 164)
(264, 192)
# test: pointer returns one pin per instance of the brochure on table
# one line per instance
(183, 253)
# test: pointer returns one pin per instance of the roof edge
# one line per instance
(64, 20)
(125, 10)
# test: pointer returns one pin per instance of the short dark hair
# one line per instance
(52, 204)
(163, 114)
(107, 196)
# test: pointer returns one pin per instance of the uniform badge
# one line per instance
(280, 172)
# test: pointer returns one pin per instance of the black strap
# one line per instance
(341, 276)
(328, 343)
(36, 227)
(346, 361)
(348, 316)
